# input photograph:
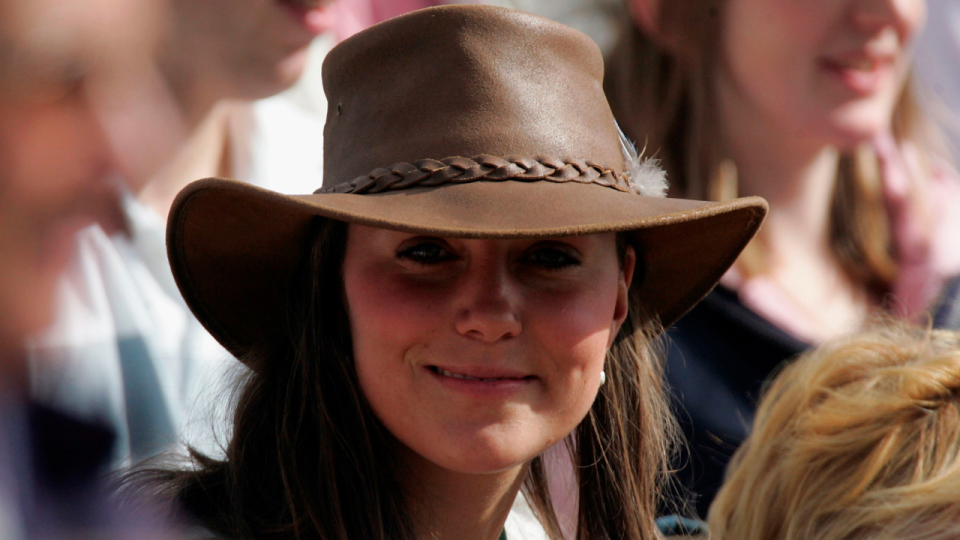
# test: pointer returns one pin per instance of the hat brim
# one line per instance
(234, 247)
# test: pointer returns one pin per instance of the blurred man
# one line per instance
(54, 156)
(124, 348)
(56, 58)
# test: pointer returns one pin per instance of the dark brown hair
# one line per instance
(308, 458)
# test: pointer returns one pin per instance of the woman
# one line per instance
(423, 327)
(856, 440)
(810, 106)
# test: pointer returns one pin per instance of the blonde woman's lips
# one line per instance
(862, 73)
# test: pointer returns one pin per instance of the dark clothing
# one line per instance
(68, 453)
(719, 357)
(53, 475)
(69, 459)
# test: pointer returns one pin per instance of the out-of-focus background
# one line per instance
(844, 114)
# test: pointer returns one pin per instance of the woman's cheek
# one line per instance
(579, 315)
(391, 305)
(575, 335)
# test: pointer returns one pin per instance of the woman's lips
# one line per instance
(863, 74)
(481, 380)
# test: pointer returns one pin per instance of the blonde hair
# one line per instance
(858, 439)
(666, 99)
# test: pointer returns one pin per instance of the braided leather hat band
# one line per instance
(459, 170)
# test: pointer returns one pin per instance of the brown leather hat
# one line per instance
(457, 121)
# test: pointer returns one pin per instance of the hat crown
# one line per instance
(465, 81)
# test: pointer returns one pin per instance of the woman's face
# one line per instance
(830, 69)
(480, 354)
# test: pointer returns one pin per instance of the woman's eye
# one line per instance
(552, 258)
(426, 253)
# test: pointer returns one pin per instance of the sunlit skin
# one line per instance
(826, 69)
(534, 318)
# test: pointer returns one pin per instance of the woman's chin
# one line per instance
(481, 458)
(855, 125)
(482, 465)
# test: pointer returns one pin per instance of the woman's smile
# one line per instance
(862, 72)
(482, 381)
(828, 69)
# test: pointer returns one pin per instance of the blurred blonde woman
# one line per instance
(858, 440)
(810, 105)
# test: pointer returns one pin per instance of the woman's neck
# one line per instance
(798, 185)
(459, 506)
(797, 175)
(794, 172)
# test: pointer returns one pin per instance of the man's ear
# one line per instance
(646, 15)
(623, 292)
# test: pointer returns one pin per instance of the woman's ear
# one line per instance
(646, 15)
(623, 292)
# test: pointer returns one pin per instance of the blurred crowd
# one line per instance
(843, 114)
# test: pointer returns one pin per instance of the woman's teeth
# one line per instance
(446, 373)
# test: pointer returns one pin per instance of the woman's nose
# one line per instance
(489, 304)
(902, 16)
